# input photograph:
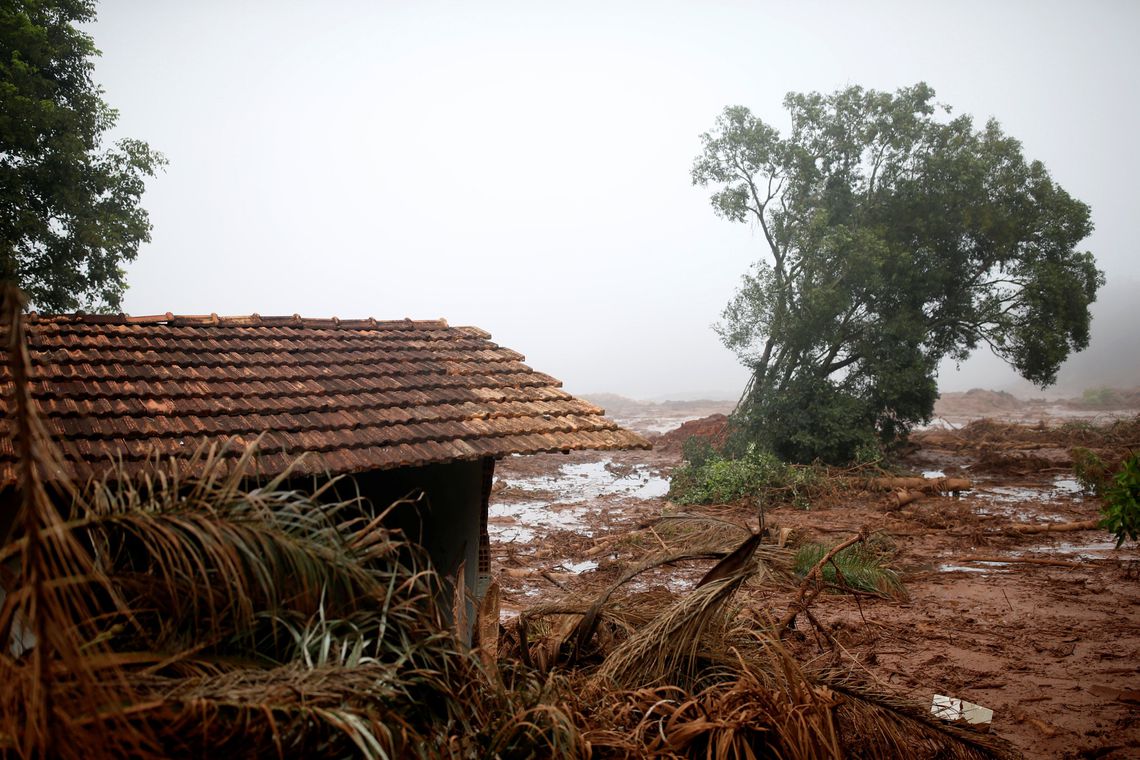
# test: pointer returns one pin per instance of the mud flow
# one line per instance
(1014, 600)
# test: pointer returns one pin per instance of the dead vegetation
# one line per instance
(1012, 448)
(707, 673)
(176, 617)
(173, 617)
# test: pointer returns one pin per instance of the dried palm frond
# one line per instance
(883, 725)
(738, 561)
(699, 537)
(755, 700)
(609, 614)
(223, 577)
(56, 700)
(667, 650)
(742, 718)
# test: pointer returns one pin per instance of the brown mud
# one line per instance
(1052, 645)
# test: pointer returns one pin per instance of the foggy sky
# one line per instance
(524, 167)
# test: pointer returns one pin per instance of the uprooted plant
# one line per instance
(861, 567)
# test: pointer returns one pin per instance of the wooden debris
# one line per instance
(459, 600)
(1046, 729)
(924, 485)
(1127, 696)
(601, 547)
(813, 582)
(1068, 527)
(545, 574)
(899, 499)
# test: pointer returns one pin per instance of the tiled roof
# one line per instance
(358, 395)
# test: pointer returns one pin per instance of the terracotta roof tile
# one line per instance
(355, 394)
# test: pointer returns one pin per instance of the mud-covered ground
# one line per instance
(1051, 646)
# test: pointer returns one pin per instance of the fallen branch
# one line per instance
(545, 574)
(925, 485)
(602, 546)
(1068, 527)
(808, 591)
(1020, 560)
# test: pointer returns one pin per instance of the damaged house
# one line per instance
(398, 405)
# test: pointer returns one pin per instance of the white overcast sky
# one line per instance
(524, 166)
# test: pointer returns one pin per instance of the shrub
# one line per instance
(697, 451)
(1121, 508)
(1101, 397)
(862, 567)
(715, 478)
(811, 421)
(1091, 471)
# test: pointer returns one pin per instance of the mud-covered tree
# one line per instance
(895, 235)
(69, 208)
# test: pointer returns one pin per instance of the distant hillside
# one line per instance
(655, 417)
(623, 406)
(1093, 402)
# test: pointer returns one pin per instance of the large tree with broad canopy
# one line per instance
(894, 235)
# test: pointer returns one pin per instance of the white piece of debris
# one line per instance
(949, 708)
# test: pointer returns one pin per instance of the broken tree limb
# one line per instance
(1068, 527)
(899, 499)
(601, 547)
(545, 574)
(813, 582)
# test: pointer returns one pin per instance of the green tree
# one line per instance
(895, 236)
(69, 209)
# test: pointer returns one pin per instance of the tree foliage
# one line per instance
(69, 209)
(1121, 508)
(895, 235)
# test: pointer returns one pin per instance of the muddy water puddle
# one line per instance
(572, 498)
(977, 567)
(1028, 502)
(655, 425)
(1091, 550)
(1062, 488)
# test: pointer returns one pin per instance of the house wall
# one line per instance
(449, 522)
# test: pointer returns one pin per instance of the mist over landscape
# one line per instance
(825, 444)
(525, 168)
